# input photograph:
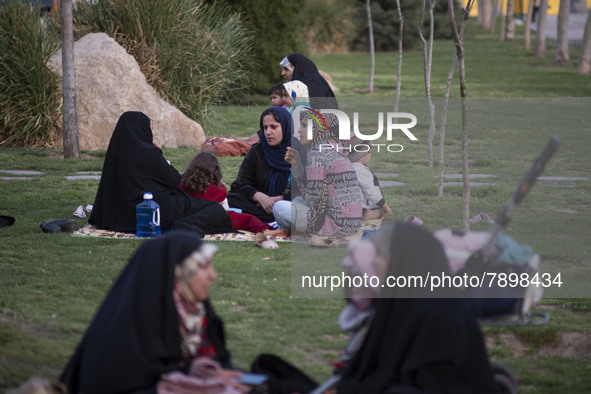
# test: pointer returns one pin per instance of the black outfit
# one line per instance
(319, 91)
(133, 166)
(134, 337)
(252, 177)
(417, 345)
(282, 377)
(264, 168)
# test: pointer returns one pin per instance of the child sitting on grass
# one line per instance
(374, 205)
(203, 179)
(278, 96)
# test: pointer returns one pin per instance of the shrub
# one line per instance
(288, 26)
(328, 25)
(29, 92)
(277, 32)
(386, 25)
(194, 54)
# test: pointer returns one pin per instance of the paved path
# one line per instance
(576, 27)
(384, 178)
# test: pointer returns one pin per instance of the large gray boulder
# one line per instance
(108, 83)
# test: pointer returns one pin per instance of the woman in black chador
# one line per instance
(157, 318)
(412, 344)
(135, 165)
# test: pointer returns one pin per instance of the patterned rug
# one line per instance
(92, 231)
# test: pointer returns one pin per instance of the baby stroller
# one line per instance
(475, 253)
(511, 271)
(508, 299)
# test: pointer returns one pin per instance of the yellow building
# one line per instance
(521, 6)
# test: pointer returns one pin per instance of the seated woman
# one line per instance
(263, 177)
(331, 202)
(407, 343)
(135, 165)
(297, 67)
(157, 318)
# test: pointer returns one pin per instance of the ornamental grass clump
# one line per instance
(193, 54)
(29, 91)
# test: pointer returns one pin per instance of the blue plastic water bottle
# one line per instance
(148, 217)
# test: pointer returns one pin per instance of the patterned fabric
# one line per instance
(332, 193)
(325, 127)
(331, 189)
(191, 315)
(366, 226)
(286, 64)
(298, 91)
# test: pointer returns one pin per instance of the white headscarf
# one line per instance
(298, 91)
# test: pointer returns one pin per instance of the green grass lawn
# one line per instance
(52, 284)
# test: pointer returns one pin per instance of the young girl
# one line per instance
(203, 179)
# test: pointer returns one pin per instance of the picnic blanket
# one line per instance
(92, 231)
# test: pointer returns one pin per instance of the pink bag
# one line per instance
(204, 378)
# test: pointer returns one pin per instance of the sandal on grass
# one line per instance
(278, 233)
(261, 240)
(319, 242)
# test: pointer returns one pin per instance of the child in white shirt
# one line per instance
(374, 205)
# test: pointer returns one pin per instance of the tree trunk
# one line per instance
(479, 6)
(561, 57)
(372, 49)
(510, 35)
(540, 50)
(462, 71)
(495, 12)
(485, 11)
(503, 21)
(445, 105)
(400, 31)
(528, 20)
(427, 57)
(584, 64)
(70, 126)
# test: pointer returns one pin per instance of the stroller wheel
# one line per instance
(505, 378)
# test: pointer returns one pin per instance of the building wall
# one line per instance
(521, 6)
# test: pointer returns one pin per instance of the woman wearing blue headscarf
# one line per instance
(263, 178)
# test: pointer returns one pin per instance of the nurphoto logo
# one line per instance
(393, 124)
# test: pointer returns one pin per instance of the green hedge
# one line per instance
(195, 54)
(29, 92)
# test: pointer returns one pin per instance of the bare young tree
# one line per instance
(584, 63)
(427, 61)
(372, 49)
(70, 126)
(510, 25)
(446, 103)
(561, 57)
(540, 50)
(400, 31)
(528, 20)
(495, 12)
(459, 43)
(503, 21)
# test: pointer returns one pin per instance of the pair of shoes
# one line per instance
(261, 240)
(319, 242)
(277, 233)
(413, 220)
(60, 226)
(6, 221)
